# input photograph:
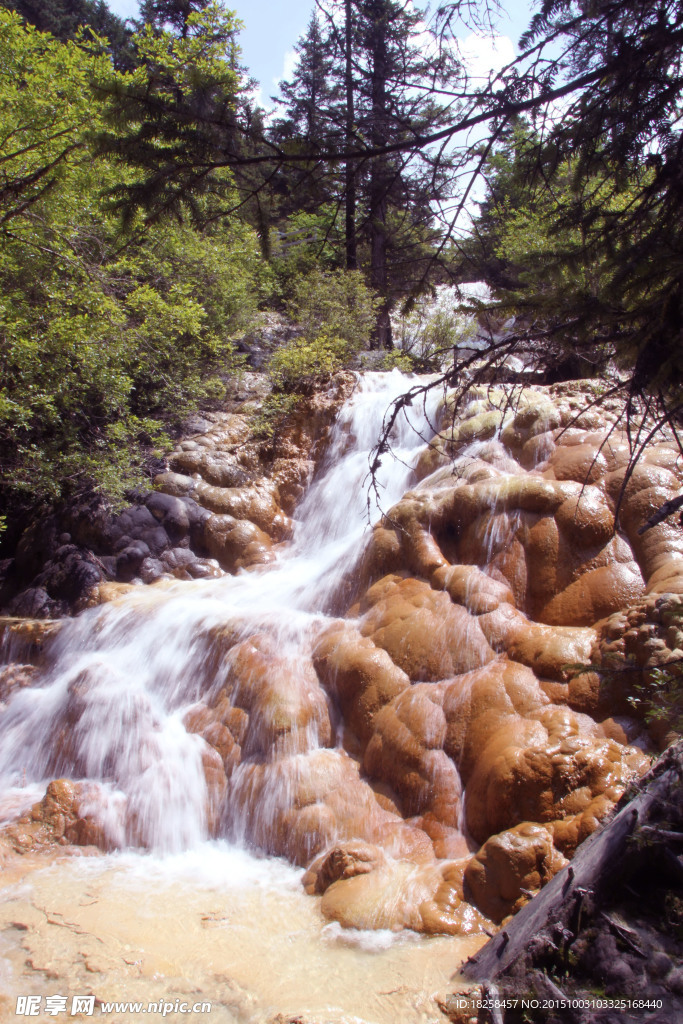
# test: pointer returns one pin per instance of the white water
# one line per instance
(111, 711)
(213, 924)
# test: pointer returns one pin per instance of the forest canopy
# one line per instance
(150, 209)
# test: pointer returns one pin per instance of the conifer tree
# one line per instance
(311, 93)
(310, 103)
(63, 19)
(170, 14)
(376, 94)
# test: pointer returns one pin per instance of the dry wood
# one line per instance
(550, 916)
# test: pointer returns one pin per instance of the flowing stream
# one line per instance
(190, 910)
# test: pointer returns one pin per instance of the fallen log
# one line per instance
(641, 823)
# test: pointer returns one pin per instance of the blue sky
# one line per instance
(270, 31)
(272, 28)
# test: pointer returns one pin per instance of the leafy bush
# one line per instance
(107, 339)
(334, 304)
(301, 362)
(430, 330)
(306, 243)
(276, 407)
(398, 360)
(660, 698)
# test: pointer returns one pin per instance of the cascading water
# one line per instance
(119, 708)
(113, 708)
(210, 725)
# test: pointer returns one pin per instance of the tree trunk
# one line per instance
(601, 865)
(350, 166)
(380, 172)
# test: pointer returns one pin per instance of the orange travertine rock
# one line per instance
(444, 711)
(522, 858)
(58, 818)
(236, 543)
(361, 677)
(281, 696)
(427, 898)
(302, 805)
(422, 631)
(345, 860)
(406, 751)
(16, 676)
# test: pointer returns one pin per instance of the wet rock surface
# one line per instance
(436, 752)
(224, 499)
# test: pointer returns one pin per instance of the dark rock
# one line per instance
(178, 558)
(151, 569)
(36, 546)
(108, 563)
(619, 978)
(91, 527)
(659, 964)
(69, 574)
(674, 981)
(157, 540)
(197, 516)
(130, 559)
(171, 512)
(34, 603)
(204, 569)
(8, 580)
(134, 521)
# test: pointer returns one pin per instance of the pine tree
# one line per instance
(375, 93)
(63, 19)
(310, 95)
(310, 103)
(170, 14)
(186, 101)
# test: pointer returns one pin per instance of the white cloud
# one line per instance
(256, 96)
(289, 63)
(484, 55)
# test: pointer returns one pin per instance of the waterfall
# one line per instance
(126, 678)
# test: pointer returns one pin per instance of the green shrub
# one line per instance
(660, 697)
(108, 339)
(397, 360)
(337, 304)
(306, 243)
(431, 329)
(301, 363)
(274, 410)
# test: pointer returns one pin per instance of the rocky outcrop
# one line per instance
(435, 754)
(489, 586)
(67, 814)
(220, 505)
(610, 922)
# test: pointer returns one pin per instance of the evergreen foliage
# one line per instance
(64, 18)
(170, 14)
(153, 114)
(181, 136)
(579, 141)
(373, 85)
(581, 232)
